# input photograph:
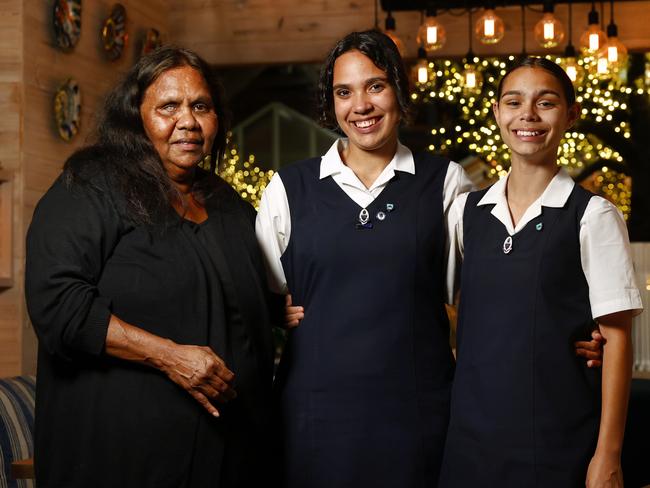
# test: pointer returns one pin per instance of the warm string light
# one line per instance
(248, 179)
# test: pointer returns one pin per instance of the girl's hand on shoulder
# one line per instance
(605, 472)
(292, 314)
(592, 350)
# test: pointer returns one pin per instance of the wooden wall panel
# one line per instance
(231, 32)
(11, 99)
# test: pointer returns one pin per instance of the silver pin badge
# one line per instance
(507, 245)
(390, 207)
(539, 226)
(364, 216)
(381, 215)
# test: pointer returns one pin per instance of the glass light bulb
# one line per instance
(421, 73)
(489, 28)
(592, 39)
(431, 35)
(601, 66)
(472, 80)
(612, 56)
(573, 70)
(549, 31)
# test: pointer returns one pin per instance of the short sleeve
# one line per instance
(454, 224)
(607, 260)
(273, 230)
(456, 183)
(71, 236)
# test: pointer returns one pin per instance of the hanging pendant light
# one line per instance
(574, 71)
(489, 27)
(570, 62)
(613, 54)
(471, 78)
(421, 72)
(593, 38)
(549, 31)
(431, 34)
(389, 30)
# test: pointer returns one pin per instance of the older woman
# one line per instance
(147, 291)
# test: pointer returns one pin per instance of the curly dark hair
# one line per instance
(548, 66)
(383, 52)
(123, 149)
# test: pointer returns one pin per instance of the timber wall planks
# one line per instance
(11, 97)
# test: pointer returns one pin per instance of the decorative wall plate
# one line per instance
(151, 41)
(114, 34)
(67, 109)
(67, 23)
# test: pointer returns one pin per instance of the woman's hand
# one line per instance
(200, 372)
(292, 314)
(196, 369)
(605, 472)
(592, 350)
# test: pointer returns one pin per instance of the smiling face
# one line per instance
(533, 115)
(179, 119)
(365, 103)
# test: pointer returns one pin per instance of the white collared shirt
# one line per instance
(273, 224)
(604, 244)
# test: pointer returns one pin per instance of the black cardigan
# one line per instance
(101, 421)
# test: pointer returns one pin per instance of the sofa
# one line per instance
(16, 426)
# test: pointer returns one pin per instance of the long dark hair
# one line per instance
(382, 51)
(548, 66)
(125, 152)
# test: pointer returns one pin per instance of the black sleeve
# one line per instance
(72, 234)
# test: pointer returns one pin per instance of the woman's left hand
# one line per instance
(591, 350)
(605, 472)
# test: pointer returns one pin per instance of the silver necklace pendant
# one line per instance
(507, 245)
(364, 216)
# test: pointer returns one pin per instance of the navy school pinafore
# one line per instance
(364, 382)
(525, 409)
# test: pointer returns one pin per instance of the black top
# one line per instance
(525, 409)
(365, 380)
(101, 421)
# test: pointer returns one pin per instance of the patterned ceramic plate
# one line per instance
(152, 41)
(67, 109)
(67, 23)
(114, 34)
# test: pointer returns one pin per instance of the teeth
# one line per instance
(362, 124)
(528, 133)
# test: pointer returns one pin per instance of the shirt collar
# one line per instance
(555, 195)
(331, 162)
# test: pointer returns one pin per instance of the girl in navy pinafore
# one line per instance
(542, 259)
(365, 380)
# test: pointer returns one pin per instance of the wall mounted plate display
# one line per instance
(114, 34)
(67, 23)
(67, 109)
(152, 41)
